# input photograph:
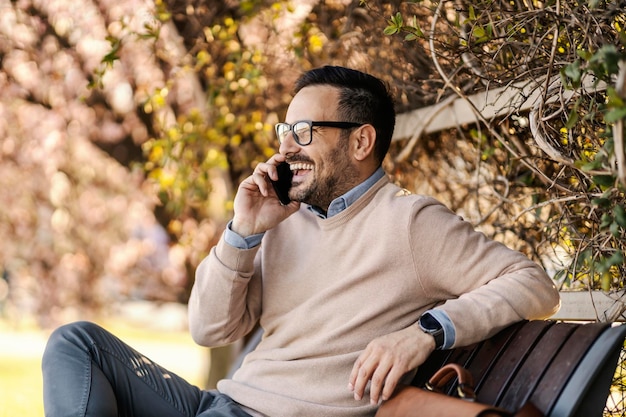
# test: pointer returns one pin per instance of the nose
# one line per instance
(289, 146)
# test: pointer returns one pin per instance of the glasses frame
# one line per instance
(312, 124)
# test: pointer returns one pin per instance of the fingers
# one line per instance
(386, 360)
(360, 375)
(264, 171)
(378, 370)
(259, 180)
(391, 382)
(256, 207)
(378, 380)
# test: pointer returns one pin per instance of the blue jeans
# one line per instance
(88, 372)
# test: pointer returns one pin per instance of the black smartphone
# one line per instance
(283, 184)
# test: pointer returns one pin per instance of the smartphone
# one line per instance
(283, 184)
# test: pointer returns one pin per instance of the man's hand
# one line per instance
(386, 359)
(256, 207)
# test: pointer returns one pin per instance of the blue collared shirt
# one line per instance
(337, 206)
(341, 203)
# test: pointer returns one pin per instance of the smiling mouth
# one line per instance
(300, 168)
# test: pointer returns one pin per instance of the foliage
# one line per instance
(80, 234)
(601, 250)
(196, 155)
(186, 93)
(568, 159)
(227, 136)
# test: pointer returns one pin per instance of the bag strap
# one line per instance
(465, 388)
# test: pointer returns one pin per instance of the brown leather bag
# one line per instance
(430, 401)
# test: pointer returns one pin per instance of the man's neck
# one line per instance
(344, 201)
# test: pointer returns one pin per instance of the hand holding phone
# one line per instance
(283, 184)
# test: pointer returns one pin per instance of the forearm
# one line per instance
(525, 294)
(486, 285)
(225, 300)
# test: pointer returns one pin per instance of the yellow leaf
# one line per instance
(156, 153)
(605, 282)
(173, 134)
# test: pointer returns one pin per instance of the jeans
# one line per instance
(88, 372)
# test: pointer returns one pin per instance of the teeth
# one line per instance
(298, 166)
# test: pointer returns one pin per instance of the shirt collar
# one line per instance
(341, 203)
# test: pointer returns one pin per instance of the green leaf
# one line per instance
(614, 229)
(614, 99)
(573, 73)
(584, 54)
(478, 32)
(112, 55)
(592, 165)
(415, 28)
(472, 13)
(572, 118)
(606, 221)
(601, 202)
(614, 115)
(395, 24)
(616, 259)
(390, 30)
(608, 58)
(562, 275)
(620, 215)
(397, 19)
(604, 180)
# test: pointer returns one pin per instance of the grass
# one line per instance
(21, 348)
(20, 385)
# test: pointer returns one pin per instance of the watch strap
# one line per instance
(431, 325)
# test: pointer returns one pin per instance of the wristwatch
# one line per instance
(430, 325)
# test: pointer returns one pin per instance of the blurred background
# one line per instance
(125, 127)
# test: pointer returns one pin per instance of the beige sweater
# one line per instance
(324, 288)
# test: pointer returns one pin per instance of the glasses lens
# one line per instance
(303, 133)
(282, 130)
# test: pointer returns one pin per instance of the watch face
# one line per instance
(431, 326)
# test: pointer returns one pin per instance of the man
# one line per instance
(354, 289)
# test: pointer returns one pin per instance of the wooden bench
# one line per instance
(565, 369)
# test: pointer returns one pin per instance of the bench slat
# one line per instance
(489, 352)
(586, 391)
(563, 365)
(503, 371)
(477, 358)
(531, 371)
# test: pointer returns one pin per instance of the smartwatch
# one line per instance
(430, 325)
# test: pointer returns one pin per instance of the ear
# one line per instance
(364, 139)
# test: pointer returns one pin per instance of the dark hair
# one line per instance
(363, 98)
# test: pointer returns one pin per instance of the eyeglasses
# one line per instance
(303, 130)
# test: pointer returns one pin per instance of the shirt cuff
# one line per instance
(449, 332)
(240, 242)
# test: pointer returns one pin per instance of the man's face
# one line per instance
(324, 169)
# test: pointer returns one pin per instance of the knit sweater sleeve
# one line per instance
(225, 301)
(484, 286)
